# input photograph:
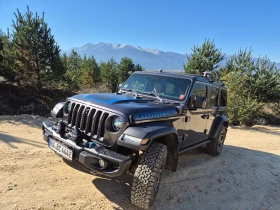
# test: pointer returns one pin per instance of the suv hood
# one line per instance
(139, 109)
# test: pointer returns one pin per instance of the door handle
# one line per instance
(205, 116)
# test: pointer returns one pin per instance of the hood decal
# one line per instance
(109, 98)
(91, 97)
(149, 115)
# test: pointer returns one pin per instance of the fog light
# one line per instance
(103, 164)
(59, 127)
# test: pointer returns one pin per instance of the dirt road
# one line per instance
(245, 176)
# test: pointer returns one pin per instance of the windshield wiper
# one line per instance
(148, 93)
(154, 94)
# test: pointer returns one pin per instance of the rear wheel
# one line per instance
(147, 176)
(216, 145)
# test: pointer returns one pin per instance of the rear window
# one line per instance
(214, 96)
(223, 101)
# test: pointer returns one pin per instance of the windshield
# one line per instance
(171, 88)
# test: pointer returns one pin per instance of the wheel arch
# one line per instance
(171, 142)
(216, 126)
(162, 132)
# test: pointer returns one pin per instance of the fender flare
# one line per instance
(218, 122)
(57, 111)
(146, 133)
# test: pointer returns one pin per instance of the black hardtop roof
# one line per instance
(193, 77)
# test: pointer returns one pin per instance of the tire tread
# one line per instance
(149, 166)
(211, 147)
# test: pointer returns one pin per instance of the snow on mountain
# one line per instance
(150, 59)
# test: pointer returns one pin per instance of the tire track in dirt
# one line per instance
(245, 176)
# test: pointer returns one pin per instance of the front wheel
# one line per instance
(216, 145)
(147, 176)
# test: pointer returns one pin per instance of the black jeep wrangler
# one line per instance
(141, 129)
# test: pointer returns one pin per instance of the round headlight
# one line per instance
(69, 107)
(117, 123)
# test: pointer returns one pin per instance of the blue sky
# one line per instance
(174, 25)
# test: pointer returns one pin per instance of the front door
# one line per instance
(197, 116)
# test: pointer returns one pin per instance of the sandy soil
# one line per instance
(245, 176)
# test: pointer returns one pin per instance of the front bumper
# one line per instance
(117, 164)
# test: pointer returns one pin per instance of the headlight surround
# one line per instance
(117, 123)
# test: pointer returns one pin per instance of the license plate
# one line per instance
(60, 149)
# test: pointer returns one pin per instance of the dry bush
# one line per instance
(276, 109)
(101, 88)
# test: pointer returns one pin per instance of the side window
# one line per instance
(199, 90)
(214, 95)
(223, 101)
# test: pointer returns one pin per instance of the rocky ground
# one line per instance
(245, 176)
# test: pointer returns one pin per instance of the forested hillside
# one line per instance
(37, 75)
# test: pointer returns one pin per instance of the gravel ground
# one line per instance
(245, 176)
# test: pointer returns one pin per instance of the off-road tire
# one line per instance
(147, 176)
(216, 145)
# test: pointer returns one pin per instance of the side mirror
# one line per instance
(200, 102)
(119, 87)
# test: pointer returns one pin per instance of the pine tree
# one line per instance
(37, 54)
(261, 75)
(251, 83)
(72, 76)
(138, 67)
(125, 67)
(1, 46)
(8, 65)
(90, 72)
(206, 57)
(109, 74)
(243, 108)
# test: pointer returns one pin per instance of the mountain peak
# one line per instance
(103, 43)
(154, 51)
(150, 59)
(87, 44)
(117, 47)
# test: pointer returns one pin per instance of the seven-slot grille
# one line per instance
(88, 120)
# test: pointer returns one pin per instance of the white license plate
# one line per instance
(60, 149)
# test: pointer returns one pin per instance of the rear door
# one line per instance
(213, 106)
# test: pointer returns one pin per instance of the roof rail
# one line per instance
(212, 78)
